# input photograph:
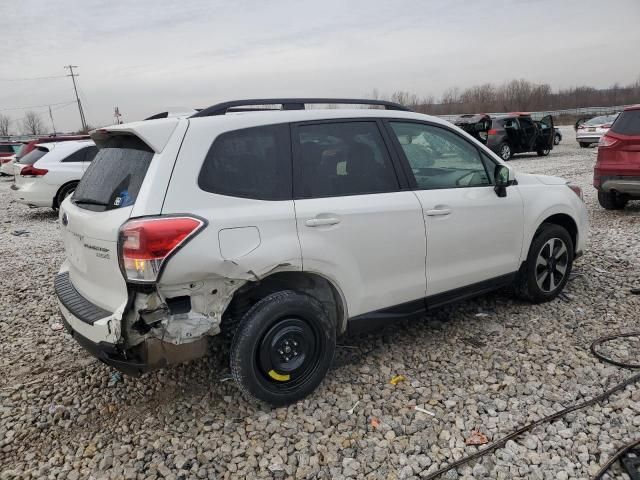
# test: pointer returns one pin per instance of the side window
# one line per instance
(77, 156)
(89, 153)
(439, 158)
(343, 158)
(490, 166)
(251, 163)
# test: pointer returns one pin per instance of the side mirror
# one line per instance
(501, 175)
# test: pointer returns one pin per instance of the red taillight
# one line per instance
(608, 125)
(607, 141)
(31, 171)
(581, 127)
(146, 243)
(492, 131)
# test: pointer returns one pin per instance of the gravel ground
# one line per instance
(65, 415)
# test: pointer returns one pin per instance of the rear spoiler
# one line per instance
(154, 134)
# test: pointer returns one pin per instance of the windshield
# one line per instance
(33, 156)
(114, 177)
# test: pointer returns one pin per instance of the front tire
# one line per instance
(548, 265)
(283, 348)
(505, 152)
(556, 140)
(584, 144)
(611, 201)
(543, 153)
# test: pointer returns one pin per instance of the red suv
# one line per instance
(617, 171)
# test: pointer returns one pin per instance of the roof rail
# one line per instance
(291, 104)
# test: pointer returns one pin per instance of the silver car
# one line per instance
(590, 131)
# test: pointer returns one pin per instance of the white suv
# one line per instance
(281, 229)
(50, 173)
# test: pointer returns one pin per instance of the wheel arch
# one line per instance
(64, 185)
(314, 284)
(565, 221)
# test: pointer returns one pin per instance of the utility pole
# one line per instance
(73, 77)
(117, 115)
(52, 124)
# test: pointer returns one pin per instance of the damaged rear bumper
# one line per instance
(99, 332)
(108, 353)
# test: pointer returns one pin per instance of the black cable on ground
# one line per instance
(603, 396)
(601, 340)
(615, 457)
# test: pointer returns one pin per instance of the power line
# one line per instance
(73, 78)
(46, 105)
(32, 78)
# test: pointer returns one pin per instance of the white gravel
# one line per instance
(65, 415)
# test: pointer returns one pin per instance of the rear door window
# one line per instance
(33, 156)
(342, 158)
(76, 157)
(250, 163)
(114, 177)
(628, 123)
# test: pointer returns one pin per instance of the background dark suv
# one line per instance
(510, 133)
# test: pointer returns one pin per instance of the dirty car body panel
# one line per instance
(140, 313)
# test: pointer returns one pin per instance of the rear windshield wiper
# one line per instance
(89, 201)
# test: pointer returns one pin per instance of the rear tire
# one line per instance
(504, 151)
(548, 265)
(584, 144)
(611, 201)
(283, 348)
(556, 139)
(63, 193)
(543, 153)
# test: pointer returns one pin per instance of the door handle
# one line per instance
(319, 222)
(437, 212)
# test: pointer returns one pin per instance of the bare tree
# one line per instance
(4, 125)
(32, 123)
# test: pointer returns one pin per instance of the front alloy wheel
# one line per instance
(551, 265)
(546, 271)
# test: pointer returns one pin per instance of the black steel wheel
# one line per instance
(283, 347)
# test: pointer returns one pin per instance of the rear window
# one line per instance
(628, 123)
(6, 149)
(33, 156)
(114, 177)
(251, 163)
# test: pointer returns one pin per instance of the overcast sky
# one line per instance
(149, 55)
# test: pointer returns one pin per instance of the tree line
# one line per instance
(515, 95)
